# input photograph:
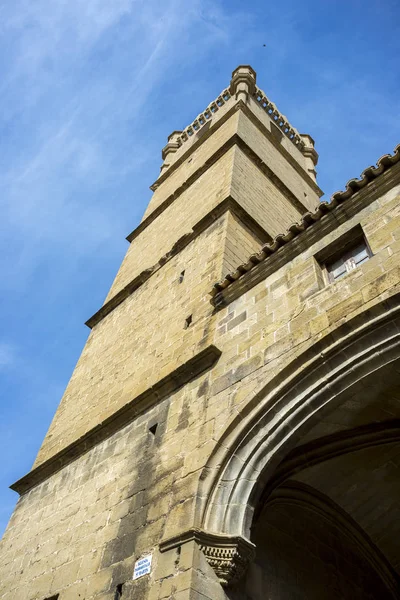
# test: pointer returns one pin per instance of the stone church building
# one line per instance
(231, 430)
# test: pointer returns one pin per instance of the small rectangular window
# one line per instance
(344, 254)
(348, 261)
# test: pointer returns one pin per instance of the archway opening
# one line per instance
(327, 524)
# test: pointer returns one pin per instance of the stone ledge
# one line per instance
(240, 105)
(234, 139)
(229, 204)
(248, 275)
(229, 556)
(168, 385)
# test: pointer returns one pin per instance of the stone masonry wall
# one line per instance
(141, 341)
(300, 187)
(260, 197)
(197, 158)
(232, 174)
(279, 318)
(179, 218)
(240, 244)
(79, 533)
(86, 524)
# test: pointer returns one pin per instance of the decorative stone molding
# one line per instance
(243, 83)
(280, 120)
(334, 211)
(178, 138)
(242, 87)
(161, 389)
(364, 344)
(229, 556)
(310, 154)
(172, 146)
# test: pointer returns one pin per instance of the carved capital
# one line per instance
(243, 82)
(229, 556)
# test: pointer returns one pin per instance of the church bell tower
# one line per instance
(144, 487)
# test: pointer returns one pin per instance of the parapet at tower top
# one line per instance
(242, 90)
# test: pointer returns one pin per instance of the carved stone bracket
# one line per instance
(229, 556)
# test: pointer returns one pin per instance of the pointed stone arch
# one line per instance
(246, 457)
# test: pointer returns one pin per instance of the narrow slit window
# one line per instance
(181, 276)
(188, 321)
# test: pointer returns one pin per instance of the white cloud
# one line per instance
(77, 76)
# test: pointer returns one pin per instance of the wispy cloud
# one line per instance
(77, 78)
(83, 88)
(89, 91)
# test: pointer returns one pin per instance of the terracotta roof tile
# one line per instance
(353, 186)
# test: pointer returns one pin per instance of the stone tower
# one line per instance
(231, 428)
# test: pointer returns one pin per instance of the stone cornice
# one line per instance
(235, 139)
(197, 126)
(242, 86)
(275, 115)
(199, 141)
(167, 385)
(300, 236)
(265, 131)
(229, 556)
(288, 157)
(229, 204)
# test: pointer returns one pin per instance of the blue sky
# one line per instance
(89, 91)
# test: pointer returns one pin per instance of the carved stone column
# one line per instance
(229, 556)
(243, 83)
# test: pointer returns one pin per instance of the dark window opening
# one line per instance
(153, 428)
(118, 592)
(188, 321)
(181, 276)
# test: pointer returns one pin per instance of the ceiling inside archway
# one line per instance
(373, 400)
(364, 481)
(366, 484)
